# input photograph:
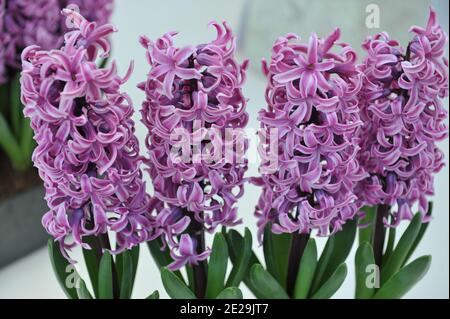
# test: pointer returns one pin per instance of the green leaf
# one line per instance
(366, 233)
(282, 246)
(105, 277)
(399, 284)
(230, 293)
(190, 277)
(422, 231)
(161, 257)
(242, 264)
(269, 255)
(154, 295)
(390, 244)
(82, 291)
(9, 144)
(217, 267)
(363, 258)
(276, 254)
(329, 288)
(306, 271)
(26, 141)
(236, 245)
(134, 252)
(265, 284)
(322, 264)
(16, 108)
(62, 269)
(92, 261)
(175, 287)
(335, 253)
(126, 283)
(401, 251)
(343, 243)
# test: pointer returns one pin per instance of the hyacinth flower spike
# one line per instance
(24, 23)
(193, 100)
(87, 154)
(309, 143)
(402, 109)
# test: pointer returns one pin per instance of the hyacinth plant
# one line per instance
(195, 112)
(24, 23)
(88, 157)
(309, 170)
(342, 145)
(403, 114)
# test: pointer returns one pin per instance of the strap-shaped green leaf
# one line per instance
(335, 253)
(134, 252)
(422, 231)
(343, 243)
(269, 255)
(306, 271)
(399, 284)
(401, 251)
(230, 293)
(10, 145)
(366, 232)
(329, 288)
(190, 277)
(16, 108)
(119, 260)
(174, 286)
(276, 254)
(236, 245)
(364, 257)
(26, 141)
(105, 277)
(126, 281)
(92, 261)
(154, 295)
(266, 285)
(217, 267)
(242, 262)
(82, 291)
(390, 244)
(62, 269)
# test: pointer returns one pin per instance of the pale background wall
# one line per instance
(257, 23)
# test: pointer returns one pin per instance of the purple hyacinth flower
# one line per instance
(313, 110)
(197, 90)
(39, 22)
(403, 119)
(87, 153)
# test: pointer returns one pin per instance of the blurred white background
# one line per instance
(257, 23)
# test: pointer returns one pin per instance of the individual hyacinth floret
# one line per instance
(39, 22)
(87, 152)
(197, 90)
(308, 178)
(403, 114)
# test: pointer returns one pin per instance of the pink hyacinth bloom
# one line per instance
(193, 89)
(312, 103)
(87, 153)
(401, 106)
(39, 22)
